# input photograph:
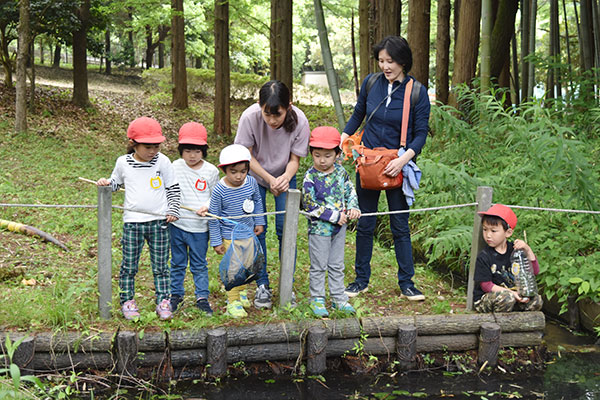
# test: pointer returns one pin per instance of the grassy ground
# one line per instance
(45, 288)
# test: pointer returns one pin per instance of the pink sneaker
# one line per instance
(163, 309)
(130, 310)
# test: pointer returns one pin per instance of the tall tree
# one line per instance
(332, 79)
(442, 51)
(525, 33)
(467, 44)
(503, 31)
(151, 45)
(532, 31)
(419, 15)
(107, 54)
(552, 81)
(281, 42)
(364, 37)
(179, 75)
(80, 75)
(9, 15)
(486, 32)
(222, 117)
(22, 57)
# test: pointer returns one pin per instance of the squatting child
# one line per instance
(329, 197)
(494, 279)
(152, 189)
(236, 194)
(189, 237)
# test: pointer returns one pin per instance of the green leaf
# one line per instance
(575, 280)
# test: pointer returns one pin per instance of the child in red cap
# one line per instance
(329, 197)
(152, 200)
(189, 236)
(494, 278)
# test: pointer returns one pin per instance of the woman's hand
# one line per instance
(282, 184)
(394, 167)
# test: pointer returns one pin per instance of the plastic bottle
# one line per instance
(523, 273)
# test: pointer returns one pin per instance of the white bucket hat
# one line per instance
(233, 154)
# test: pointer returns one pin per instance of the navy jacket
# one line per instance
(383, 130)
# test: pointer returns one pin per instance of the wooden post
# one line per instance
(216, 352)
(489, 344)
(288, 246)
(316, 350)
(104, 251)
(484, 201)
(127, 349)
(406, 348)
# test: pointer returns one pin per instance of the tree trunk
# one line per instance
(364, 39)
(585, 35)
(107, 54)
(80, 77)
(5, 57)
(354, 65)
(163, 31)
(389, 18)
(466, 46)
(41, 51)
(149, 48)
(554, 53)
(442, 48)
(516, 98)
(281, 42)
(504, 27)
(56, 59)
(532, 26)
(22, 56)
(32, 76)
(328, 61)
(222, 121)
(419, 15)
(525, 32)
(179, 75)
(486, 32)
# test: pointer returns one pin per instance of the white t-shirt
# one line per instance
(272, 147)
(196, 186)
(146, 186)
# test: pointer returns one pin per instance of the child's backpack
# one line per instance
(243, 259)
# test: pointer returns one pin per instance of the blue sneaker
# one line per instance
(344, 307)
(317, 305)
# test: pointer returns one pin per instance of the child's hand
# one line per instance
(520, 244)
(353, 213)
(171, 218)
(518, 297)
(343, 218)
(202, 211)
(220, 249)
(258, 229)
(102, 182)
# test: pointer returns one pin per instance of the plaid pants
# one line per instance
(504, 301)
(157, 235)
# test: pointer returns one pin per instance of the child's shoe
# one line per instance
(130, 310)
(163, 309)
(262, 298)
(176, 302)
(244, 299)
(236, 310)
(204, 305)
(344, 307)
(317, 305)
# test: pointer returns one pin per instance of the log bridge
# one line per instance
(313, 341)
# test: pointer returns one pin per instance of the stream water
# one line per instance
(572, 373)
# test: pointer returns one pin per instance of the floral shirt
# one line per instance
(325, 196)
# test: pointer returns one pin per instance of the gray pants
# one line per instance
(327, 256)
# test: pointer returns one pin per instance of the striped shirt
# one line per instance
(227, 201)
(149, 186)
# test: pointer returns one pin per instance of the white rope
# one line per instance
(48, 205)
(564, 210)
(198, 217)
(408, 211)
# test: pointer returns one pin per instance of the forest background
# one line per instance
(201, 60)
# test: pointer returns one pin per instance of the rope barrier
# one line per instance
(49, 205)
(408, 211)
(564, 210)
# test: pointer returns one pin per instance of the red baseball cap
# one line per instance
(192, 133)
(325, 137)
(502, 211)
(145, 130)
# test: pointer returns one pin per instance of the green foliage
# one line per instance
(530, 156)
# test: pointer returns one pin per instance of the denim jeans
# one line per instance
(368, 201)
(188, 245)
(263, 276)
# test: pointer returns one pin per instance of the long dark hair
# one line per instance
(398, 48)
(275, 94)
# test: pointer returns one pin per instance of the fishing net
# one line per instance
(243, 259)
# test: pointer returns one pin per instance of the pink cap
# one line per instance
(502, 211)
(325, 137)
(145, 130)
(192, 133)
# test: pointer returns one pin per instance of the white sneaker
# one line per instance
(262, 298)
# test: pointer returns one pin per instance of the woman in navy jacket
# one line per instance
(383, 130)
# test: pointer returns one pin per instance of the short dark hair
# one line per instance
(186, 146)
(494, 221)
(224, 167)
(398, 48)
(336, 148)
(275, 94)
